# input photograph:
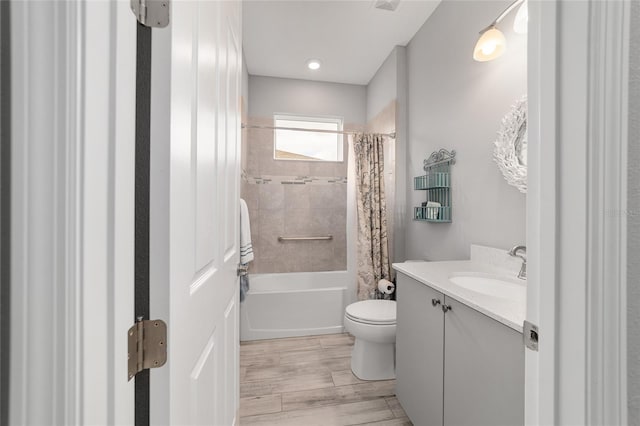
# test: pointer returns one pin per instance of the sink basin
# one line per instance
(490, 285)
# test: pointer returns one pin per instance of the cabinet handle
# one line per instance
(435, 302)
(446, 308)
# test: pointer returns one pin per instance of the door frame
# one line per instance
(577, 48)
(576, 207)
(73, 73)
(5, 208)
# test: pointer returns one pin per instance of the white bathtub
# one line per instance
(293, 304)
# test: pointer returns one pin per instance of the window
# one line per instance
(308, 146)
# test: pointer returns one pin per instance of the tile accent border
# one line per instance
(293, 180)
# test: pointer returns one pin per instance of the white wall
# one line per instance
(633, 222)
(457, 103)
(271, 95)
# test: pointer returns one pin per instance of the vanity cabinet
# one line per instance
(483, 369)
(419, 354)
(456, 368)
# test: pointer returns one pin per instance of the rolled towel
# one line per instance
(433, 209)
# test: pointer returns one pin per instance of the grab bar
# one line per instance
(321, 237)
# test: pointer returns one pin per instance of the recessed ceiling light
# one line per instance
(313, 64)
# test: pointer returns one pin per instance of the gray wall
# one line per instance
(382, 89)
(402, 210)
(387, 112)
(245, 109)
(245, 82)
(457, 103)
(271, 95)
(633, 222)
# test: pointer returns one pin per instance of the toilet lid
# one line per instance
(373, 311)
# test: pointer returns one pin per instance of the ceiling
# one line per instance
(351, 38)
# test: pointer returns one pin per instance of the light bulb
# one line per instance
(488, 48)
(313, 64)
(521, 21)
(490, 45)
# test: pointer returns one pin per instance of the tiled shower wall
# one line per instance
(293, 198)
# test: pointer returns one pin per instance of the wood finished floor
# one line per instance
(306, 381)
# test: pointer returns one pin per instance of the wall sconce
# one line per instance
(492, 43)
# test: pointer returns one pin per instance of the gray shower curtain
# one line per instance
(373, 245)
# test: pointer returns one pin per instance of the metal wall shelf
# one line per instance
(432, 181)
(432, 214)
(437, 186)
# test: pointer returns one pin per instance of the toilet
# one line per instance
(373, 324)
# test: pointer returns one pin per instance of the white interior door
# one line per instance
(195, 96)
(576, 207)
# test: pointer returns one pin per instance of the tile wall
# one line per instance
(293, 198)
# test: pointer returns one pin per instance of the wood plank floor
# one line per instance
(306, 381)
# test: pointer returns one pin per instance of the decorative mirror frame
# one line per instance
(511, 135)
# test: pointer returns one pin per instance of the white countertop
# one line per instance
(510, 312)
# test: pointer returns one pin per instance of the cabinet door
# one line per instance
(419, 352)
(483, 370)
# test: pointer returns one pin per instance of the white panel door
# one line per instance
(204, 165)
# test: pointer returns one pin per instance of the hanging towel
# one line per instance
(246, 249)
(244, 286)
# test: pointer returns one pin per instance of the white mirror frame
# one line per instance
(513, 133)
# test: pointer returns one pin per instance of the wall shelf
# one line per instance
(436, 182)
(432, 214)
(432, 181)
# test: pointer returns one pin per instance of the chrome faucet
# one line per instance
(521, 252)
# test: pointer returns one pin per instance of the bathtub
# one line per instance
(293, 304)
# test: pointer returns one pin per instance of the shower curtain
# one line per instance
(373, 245)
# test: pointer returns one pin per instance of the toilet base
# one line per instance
(373, 361)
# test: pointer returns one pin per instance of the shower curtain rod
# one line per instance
(297, 129)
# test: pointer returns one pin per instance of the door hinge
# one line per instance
(147, 346)
(243, 269)
(530, 335)
(151, 13)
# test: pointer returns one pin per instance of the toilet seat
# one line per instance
(374, 312)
